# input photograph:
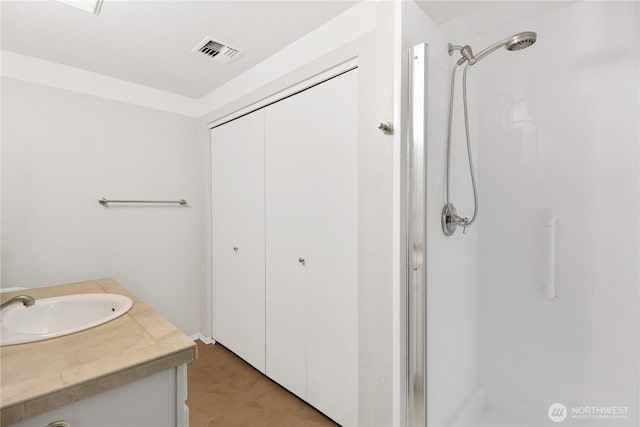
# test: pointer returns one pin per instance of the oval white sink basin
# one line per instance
(54, 317)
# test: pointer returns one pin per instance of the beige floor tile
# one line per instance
(281, 402)
(249, 414)
(226, 391)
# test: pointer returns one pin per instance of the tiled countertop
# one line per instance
(40, 376)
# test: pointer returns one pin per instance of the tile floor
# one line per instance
(226, 391)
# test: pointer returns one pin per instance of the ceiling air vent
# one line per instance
(218, 51)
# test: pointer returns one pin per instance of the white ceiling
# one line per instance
(444, 11)
(150, 42)
(487, 17)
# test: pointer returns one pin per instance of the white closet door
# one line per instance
(285, 127)
(237, 158)
(332, 278)
(311, 206)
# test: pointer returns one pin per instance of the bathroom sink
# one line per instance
(54, 317)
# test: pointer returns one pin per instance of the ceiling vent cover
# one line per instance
(216, 50)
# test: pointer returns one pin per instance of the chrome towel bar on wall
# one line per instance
(104, 201)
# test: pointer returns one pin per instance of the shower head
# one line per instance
(516, 42)
(521, 40)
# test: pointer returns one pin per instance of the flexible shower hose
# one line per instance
(458, 220)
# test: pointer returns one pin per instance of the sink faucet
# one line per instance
(26, 300)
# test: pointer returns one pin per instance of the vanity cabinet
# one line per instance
(131, 371)
(307, 281)
(148, 402)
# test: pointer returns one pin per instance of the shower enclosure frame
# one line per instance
(416, 237)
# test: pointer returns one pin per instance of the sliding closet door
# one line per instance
(237, 157)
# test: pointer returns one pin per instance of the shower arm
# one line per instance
(485, 52)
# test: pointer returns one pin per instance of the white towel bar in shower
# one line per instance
(550, 222)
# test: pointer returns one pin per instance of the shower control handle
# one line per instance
(301, 260)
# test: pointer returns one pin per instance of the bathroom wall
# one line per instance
(61, 152)
(559, 135)
(451, 262)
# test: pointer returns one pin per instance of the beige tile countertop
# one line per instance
(40, 376)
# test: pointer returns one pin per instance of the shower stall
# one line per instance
(531, 316)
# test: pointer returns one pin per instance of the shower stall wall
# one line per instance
(533, 316)
(558, 316)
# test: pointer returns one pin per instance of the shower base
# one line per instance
(477, 411)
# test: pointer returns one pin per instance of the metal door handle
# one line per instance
(301, 261)
(235, 249)
(386, 128)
